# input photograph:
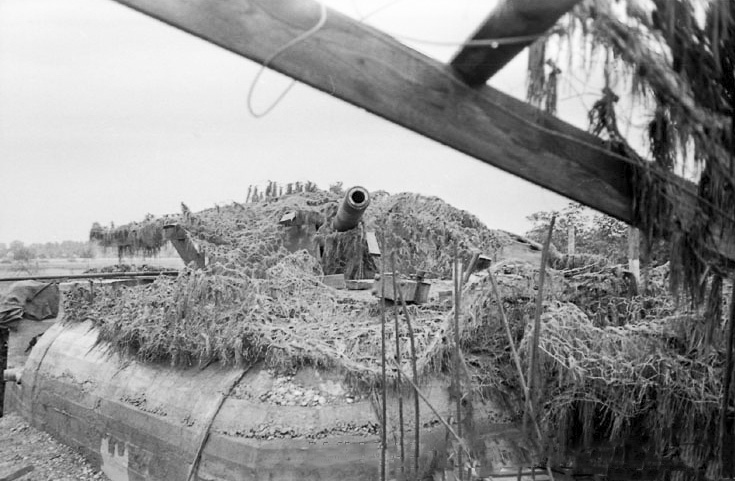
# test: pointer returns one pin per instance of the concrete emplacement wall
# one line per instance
(140, 421)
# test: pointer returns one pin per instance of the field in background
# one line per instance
(63, 267)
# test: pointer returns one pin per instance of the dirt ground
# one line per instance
(23, 447)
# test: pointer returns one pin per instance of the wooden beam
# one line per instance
(518, 21)
(183, 244)
(369, 69)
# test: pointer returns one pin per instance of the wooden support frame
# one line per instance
(186, 249)
(372, 70)
(514, 24)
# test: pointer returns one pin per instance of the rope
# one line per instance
(489, 42)
(205, 434)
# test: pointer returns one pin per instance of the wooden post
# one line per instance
(634, 259)
(647, 247)
(634, 254)
(4, 336)
(571, 231)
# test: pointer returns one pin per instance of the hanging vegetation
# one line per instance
(661, 377)
(615, 367)
(677, 58)
(144, 237)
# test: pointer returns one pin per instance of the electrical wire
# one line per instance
(322, 20)
(493, 43)
(320, 23)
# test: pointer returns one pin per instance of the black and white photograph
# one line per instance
(367, 240)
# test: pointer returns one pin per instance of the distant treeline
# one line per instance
(19, 251)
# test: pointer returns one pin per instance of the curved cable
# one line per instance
(320, 23)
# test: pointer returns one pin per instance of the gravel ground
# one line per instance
(22, 446)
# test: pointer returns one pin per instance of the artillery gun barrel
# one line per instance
(351, 209)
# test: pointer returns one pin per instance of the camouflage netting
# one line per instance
(256, 301)
(422, 230)
(614, 366)
(287, 319)
(137, 237)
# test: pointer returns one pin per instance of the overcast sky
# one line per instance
(107, 115)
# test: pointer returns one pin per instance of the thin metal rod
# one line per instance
(4, 338)
(461, 442)
(727, 375)
(457, 380)
(101, 275)
(532, 366)
(517, 361)
(414, 369)
(384, 377)
(398, 360)
(513, 350)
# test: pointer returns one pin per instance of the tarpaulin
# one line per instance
(31, 300)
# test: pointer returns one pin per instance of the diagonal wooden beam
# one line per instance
(516, 21)
(371, 70)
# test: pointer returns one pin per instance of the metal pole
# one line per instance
(384, 378)
(414, 369)
(532, 366)
(727, 378)
(101, 275)
(4, 336)
(457, 381)
(398, 374)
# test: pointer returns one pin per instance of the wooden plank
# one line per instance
(371, 70)
(288, 218)
(336, 281)
(519, 22)
(372, 243)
